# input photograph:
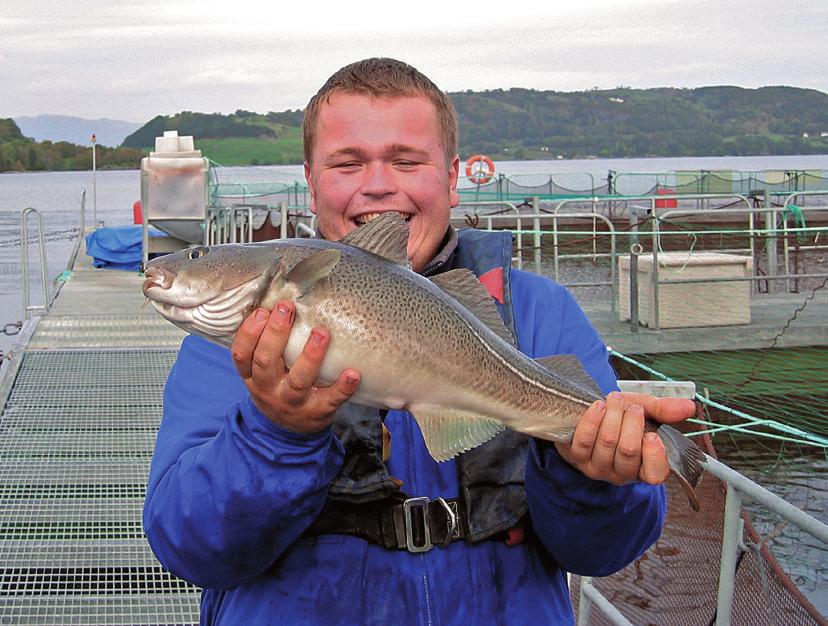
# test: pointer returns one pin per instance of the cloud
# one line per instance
(131, 60)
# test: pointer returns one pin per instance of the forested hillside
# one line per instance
(505, 124)
(19, 153)
(643, 122)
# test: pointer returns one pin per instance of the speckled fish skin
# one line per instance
(415, 346)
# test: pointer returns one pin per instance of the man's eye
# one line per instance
(404, 163)
(347, 165)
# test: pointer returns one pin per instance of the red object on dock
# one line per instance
(137, 215)
(670, 203)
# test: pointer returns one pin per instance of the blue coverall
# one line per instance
(230, 493)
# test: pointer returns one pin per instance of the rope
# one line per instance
(789, 433)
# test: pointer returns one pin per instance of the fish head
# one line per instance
(209, 290)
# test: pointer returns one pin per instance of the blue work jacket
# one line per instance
(230, 494)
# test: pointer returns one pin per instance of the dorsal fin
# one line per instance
(464, 286)
(569, 368)
(386, 236)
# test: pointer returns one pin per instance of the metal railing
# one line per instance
(489, 220)
(29, 310)
(739, 487)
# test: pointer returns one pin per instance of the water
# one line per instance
(803, 480)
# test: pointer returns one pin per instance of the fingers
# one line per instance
(345, 386)
(654, 466)
(299, 381)
(579, 451)
(290, 397)
(609, 444)
(627, 459)
(268, 366)
(244, 343)
(664, 410)
(609, 433)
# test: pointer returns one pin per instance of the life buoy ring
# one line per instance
(479, 169)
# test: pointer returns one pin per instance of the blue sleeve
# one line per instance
(228, 489)
(589, 527)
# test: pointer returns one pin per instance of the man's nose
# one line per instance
(379, 180)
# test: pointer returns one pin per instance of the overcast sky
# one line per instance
(137, 59)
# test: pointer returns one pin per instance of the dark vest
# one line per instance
(491, 476)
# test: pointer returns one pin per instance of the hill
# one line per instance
(19, 153)
(529, 124)
(506, 124)
(625, 122)
(75, 130)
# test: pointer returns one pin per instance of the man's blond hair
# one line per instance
(383, 78)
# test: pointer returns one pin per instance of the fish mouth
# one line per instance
(217, 317)
(364, 218)
(155, 276)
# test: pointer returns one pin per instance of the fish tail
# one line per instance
(685, 460)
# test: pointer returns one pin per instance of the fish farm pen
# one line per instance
(716, 278)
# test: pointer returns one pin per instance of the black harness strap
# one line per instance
(415, 524)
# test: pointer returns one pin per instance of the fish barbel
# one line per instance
(435, 347)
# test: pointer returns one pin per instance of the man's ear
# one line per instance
(454, 175)
(310, 188)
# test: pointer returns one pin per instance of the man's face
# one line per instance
(372, 155)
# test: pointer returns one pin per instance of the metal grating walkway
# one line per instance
(77, 431)
(76, 440)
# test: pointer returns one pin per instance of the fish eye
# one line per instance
(197, 253)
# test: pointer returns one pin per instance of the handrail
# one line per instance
(29, 309)
(738, 487)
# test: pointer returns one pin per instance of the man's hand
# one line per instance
(609, 443)
(289, 397)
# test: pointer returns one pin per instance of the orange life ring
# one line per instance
(479, 169)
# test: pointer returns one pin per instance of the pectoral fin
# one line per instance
(310, 270)
(448, 432)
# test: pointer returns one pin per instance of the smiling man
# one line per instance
(370, 154)
(277, 495)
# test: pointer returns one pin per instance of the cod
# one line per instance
(385, 321)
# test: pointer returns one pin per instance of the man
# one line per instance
(272, 492)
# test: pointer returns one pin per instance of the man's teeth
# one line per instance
(367, 217)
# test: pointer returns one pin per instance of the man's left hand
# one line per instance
(610, 444)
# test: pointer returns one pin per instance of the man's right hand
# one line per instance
(289, 397)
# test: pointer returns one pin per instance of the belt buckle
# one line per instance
(452, 521)
(420, 504)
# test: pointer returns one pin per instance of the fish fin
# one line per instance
(386, 236)
(310, 270)
(448, 432)
(569, 368)
(466, 288)
(685, 460)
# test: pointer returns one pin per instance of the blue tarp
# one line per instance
(117, 247)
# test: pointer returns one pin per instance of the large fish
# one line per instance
(434, 347)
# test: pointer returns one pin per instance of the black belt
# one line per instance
(415, 524)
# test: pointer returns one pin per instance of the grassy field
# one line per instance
(287, 148)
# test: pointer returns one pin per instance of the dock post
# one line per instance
(770, 243)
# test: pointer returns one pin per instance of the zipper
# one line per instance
(415, 490)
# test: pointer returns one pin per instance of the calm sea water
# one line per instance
(803, 480)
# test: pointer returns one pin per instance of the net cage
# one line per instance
(676, 581)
